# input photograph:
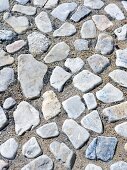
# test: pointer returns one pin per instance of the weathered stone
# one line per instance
(121, 58)
(121, 129)
(121, 32)
(93, 167)
(5, 59)
(9, 103)
(120, 165)
(23, 2)
(90, 101)
(3, 119)
(81, 45)
(6, 35)
(94, 4)
(4, 5)
(39, 3)
(3, 165)
(51, 4)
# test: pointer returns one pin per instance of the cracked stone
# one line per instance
(39, 3)
(5, 59)
(9, 103)
(90, 101)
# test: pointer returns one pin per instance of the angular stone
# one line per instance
(9, 103)
(62, 152)
(120, 165)
(59, 77)
(62, 11)
(6, 35)
(23, 2)
(43, 22)
(90, 101)
(3, 165)
(74, 64)
(5, 59)
(19, 24)
(102, 148)
(15, 46)
(81, 45)
(121, 129)
(114, 11)
(80, 13)
(9, 148)
(49, 130)
(102, 22)
(6, 78)
(3, 119)
(92, 122)
(121, 58)
(109, 94)
(121, 32)
(119, 76)
(4, 5)
(76, 134)
(116, 112)
(41, 163)
(38, 43)
(59, 52)
(67, 29)
(51, 4)
(94, 4)
(39, 3)
(31, 148)
(27, 10)
(98, 63)
(86, 81)
(30, 75)
(88, 30)
(51, 106)
(25, 113)
(105, 44)
(73, 106)
(93, 167)
(124, 4)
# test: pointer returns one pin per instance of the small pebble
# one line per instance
(9, 103)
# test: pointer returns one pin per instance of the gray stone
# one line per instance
(76, 134)
(31, 148)
(67, 29)
(41, 163)
(88, 30)
(62, 152)
(59, 77)
(80, 13)
(121, 129)
(6, 35)
(38, 43)
(5, 59)
(109, 94)
(31, 78)
(3, 119)
(81, 45)
(90, 101)
(73, 106)
(121, 58)
(62, 11)
(93, 167)
(120, 165)
(121, 32)
(51, 4)
(9, 103)
(98, 63)
(3, 165)
(102, 148)
(86, 81)
(94, 4)
(25, 113)
(6, 78)
(4, 5)
(43, 22)
(124, 3)
(59, 52)
(49, 130)
(51, 106)
(9, 148)
(23, 2)
(39, 3)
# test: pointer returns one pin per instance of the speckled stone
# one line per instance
(120, 165)
(90, 101)
(121, 58)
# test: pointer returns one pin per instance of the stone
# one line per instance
(6, 78)
(94, 4)
(39, 3)
(3, 165)
(125, 147)
(43, 22)
(31, 148)
(98, 63)
(62, 11)
(62, 152)
(74, 64)
(19, 24)
(114, 11)
(81, 45)
(67, 29)
(109, 94)
(4, 5)
(59, 52)
(25, 113)
(27, 10)
(31, 78)
(38, 43)
(102, 148)
(121, 58)
(5, 59)
(9, 103)
(6, 35)
(80, 13)
(86, 81)
(121, 129)
(41, 163)
(88, 30)
(92, 122)
(121, 32)
(23, 2)
(49, 130)
(120, 165)
(51, 4)
(51, 106)
(105, 44)
(90, 101)
(58, 78)
(119, 76)
(73, 106)
(93, 167)
(9, 148)
(3, 119)
(124, 3)
(15, 46)
(102, 22)
(76, 133)
(116, 112)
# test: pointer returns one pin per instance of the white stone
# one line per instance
(51, 4)
(121, 58)
(124, 4)
(93, 167)
(23, 2)
(39, 3)
(3, 119)
(3, 165)
(120, 165)
(6, 35)
(90, 101)
(81, 45)
(5, 59)
(9, 103)
(4, 5)
(121, 129)
(94, 4)
(121, 32)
